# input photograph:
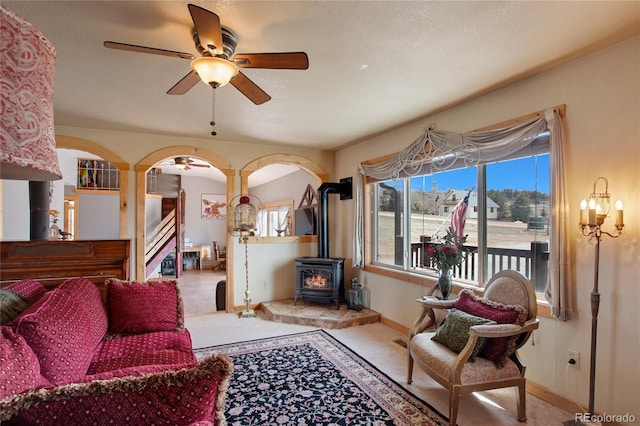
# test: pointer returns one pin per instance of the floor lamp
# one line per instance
(27, 138)
(592, 216)
(245, 224)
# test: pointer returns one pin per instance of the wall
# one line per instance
(288, 187)
(15, 217)
(98, 218)
(197, 230)
(602, 95)
(271, 270)
(153, 212)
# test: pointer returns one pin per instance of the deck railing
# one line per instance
(532, 263)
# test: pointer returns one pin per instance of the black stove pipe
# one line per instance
(38, 210)
(344, 189)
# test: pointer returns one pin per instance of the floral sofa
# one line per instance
(68, 357)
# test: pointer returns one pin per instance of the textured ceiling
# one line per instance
(373, 65)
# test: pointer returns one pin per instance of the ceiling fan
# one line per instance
(185, 163)
(219, 64)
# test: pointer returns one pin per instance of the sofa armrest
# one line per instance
(185, 396)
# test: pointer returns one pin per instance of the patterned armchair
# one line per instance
(475, 346)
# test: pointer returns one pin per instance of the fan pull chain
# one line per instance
(213, 112)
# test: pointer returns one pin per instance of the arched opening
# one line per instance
(168, 155)
(80, 144)
(295, 160)
(268, 268)
(280, 182)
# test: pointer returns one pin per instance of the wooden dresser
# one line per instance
(52, 262)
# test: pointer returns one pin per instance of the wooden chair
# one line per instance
(219, 257)
(205, 256)
(452, 370)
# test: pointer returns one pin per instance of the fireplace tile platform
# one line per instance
(317, 314)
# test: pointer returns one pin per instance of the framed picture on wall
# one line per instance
(214, 206)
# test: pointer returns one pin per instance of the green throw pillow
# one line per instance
(454, 332)
(11, 305)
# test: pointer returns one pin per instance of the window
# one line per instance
(152, 180)
(275, 219)
(506, 217)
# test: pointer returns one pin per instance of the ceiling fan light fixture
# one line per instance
(180, 166)
(214, 71)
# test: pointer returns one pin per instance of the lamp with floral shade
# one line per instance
(27, 143)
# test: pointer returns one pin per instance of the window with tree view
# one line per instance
(506, 220)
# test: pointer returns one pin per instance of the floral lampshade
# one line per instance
(27, 143)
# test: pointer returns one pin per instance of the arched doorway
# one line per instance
(141, 191)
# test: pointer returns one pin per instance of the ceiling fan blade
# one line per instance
(207, 26)
(288, 60)
(250, 89)
(199, 165)
(145, 49)
(185, 84)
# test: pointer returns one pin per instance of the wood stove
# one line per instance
(320, 280)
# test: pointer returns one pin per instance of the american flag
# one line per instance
(459, 217)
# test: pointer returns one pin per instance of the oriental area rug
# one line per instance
(313, 379)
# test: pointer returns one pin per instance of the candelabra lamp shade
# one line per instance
(594, 211)
(27, 142)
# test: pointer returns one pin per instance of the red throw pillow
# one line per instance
(20, 367)
(498, 349)
(87, 291)
(56, 328)
(142, 307)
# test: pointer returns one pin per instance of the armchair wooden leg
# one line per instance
(521, 400)
(409, 366)
(454, 402)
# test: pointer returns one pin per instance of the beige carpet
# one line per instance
(198, 290)
(376, 343)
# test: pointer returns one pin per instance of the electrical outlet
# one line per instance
(266, 284)
(573, 358)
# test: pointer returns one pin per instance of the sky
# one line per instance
(514, 174)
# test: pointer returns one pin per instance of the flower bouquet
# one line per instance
(444, 256)
(54, 229)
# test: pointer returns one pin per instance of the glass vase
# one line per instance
(54, 232)
(354, 296)
(444, 282)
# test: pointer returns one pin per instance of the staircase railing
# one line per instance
(160, 235)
